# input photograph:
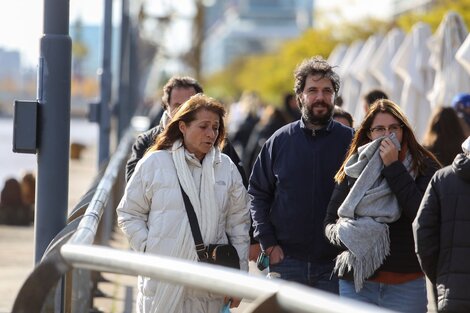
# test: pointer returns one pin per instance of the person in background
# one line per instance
(175, 92)
(13, 211)
(251, 108)
(28, 190)
(343, 117)
(378, 192)
(372, 96)
(339, 102)
(186, 156)
(271, 120)
(292, 181)
(444, 135)
(441, 233)
(461, 104)
(291, 109)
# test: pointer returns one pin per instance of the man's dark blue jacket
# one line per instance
(291, 185)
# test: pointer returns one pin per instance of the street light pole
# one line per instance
(124, 79)
(54, 80)
(106, 85)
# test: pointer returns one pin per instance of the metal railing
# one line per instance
(74, 250)
(85, 226)
(282, 296)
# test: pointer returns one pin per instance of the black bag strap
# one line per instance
(200, 248)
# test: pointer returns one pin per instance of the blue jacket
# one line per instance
(290, 187)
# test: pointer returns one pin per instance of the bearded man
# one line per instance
(292, 181)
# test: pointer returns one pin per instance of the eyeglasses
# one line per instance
(381, 130)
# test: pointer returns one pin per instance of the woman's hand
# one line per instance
(388, 151)
(275, 253)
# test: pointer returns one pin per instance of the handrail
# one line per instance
(52, 267)
(88, 226)
(292, 297)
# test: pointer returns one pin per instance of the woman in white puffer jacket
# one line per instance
(152, 213)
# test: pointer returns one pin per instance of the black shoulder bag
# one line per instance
(218, 254)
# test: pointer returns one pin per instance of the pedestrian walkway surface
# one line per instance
(17, 242)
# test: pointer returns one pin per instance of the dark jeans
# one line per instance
(311, 274)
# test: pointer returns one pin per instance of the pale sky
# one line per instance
(337, 10)
(21, 23)
(21, 20)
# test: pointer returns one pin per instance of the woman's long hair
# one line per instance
(444, 135)
(11, 194)
(418, 153)
(187, 114)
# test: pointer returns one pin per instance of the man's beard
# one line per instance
(310, 117)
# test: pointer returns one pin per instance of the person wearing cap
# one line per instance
(461, 104)
(441, 235)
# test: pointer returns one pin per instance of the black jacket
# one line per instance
(409, 192)
(291, 184)
(442, 234)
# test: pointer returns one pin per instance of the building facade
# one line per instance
(11, 65)
(237, 28)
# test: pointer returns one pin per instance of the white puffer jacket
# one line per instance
(152, 211)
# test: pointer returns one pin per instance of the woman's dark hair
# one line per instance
(444, 135)
(11, 193)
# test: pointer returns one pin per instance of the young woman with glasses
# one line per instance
(379, 188)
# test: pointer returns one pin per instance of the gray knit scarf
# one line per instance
(363, 215)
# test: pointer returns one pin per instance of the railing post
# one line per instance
(54, 79)
(124, 70)
(105, 84)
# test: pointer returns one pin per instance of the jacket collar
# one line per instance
(324, 130)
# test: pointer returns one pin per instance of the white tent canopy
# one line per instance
(361, 70)
(337, 55)
(411, 63)
(350, 87)
(419, 71)
(381, 67)
(451, 78)
(463, 56)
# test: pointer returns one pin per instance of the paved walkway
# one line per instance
(17, 242)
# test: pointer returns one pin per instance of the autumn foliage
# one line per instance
(271, 74)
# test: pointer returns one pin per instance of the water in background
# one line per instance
(15, 164)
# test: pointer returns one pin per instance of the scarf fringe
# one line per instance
(331, 232)
(365, 266)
